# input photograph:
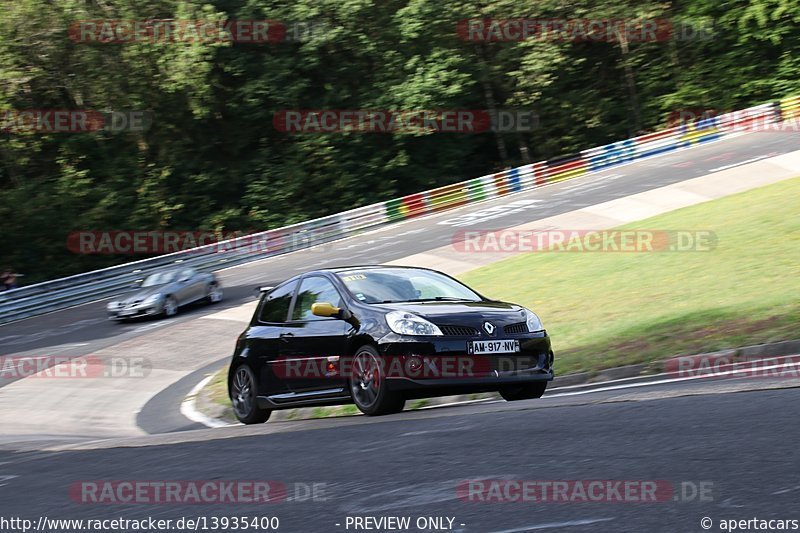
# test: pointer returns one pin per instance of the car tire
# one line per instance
(214, 293)
(368, 388)
(528, 391)
(243, 392)
(170, 306)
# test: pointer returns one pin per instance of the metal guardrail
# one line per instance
(33, 300)
(75, 290)
(790, 108)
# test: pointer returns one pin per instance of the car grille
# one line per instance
(519, 327)
(459, 331)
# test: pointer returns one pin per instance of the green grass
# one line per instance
(609, 309)
(217, 388)
(337, 410)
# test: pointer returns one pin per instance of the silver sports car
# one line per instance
(162, 293)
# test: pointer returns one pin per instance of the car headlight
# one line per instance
(153, 298)
(534, 324)
(112, 305)
(409, 324)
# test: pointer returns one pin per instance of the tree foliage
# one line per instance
(213, 160)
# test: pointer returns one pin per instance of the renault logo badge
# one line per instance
(489, 327)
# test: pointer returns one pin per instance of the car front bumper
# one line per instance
(124, 313)
(443, 362)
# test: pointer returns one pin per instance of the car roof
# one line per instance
(338, 269)
(367, 267)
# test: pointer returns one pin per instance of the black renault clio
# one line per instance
(378, 335)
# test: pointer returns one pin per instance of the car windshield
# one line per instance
(388, 285)
(159, 278)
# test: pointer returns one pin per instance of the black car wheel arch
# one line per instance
(243, 391)
(368, 384)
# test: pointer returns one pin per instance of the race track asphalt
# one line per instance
(727, 456)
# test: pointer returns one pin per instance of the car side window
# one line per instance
(312, 290)
(275, 307)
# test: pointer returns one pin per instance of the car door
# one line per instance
(191, 288)
(264, 339)
(181, 289)
(310, 341)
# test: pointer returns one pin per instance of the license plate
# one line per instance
(127, 312)
(487, 347)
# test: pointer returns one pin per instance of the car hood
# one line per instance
(467, 313)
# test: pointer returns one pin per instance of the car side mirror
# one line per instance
(137, 283)
(325, 309)
(328, 310)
